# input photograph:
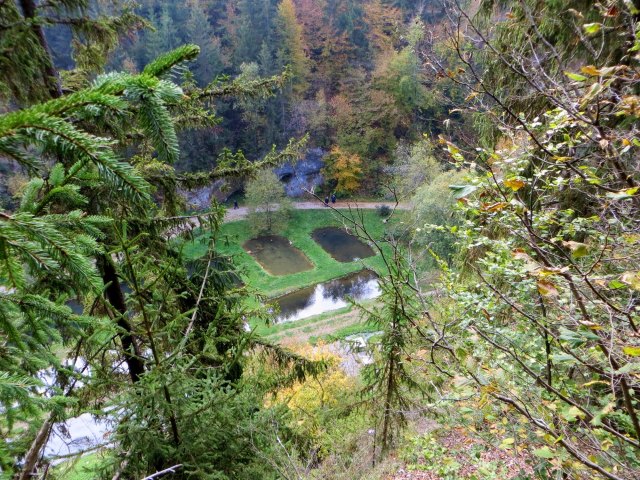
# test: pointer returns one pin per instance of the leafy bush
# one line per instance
(383, 210)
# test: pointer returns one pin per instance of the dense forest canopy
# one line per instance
(356, 81)
(453, 293)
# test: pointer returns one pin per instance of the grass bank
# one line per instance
(85, 467)
(327, 327)
(234, 234)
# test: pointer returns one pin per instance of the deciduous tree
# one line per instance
(269, 207)
(343, 170)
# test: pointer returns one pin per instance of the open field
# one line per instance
(232, 236)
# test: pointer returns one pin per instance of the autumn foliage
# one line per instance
(344, 170)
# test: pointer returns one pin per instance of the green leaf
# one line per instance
(592, 93)
(572, 414)
(577, 337)
(632, 351)
(543, 452)
(577, 249)
(562, 357)
(166, 62)
(56, 175)
(575, 76)
(631, 367)
(461, 191)
(623, 194)
(616, 284)
(592, 28)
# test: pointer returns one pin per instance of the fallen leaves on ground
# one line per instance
(459, 445)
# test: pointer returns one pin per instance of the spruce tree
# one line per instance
(27, 69)
(93, 226)
(200, 32)
(389, 384)
(291, 51)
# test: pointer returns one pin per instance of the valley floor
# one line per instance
(241, 212)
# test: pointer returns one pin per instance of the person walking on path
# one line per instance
(333, 198)
(326, 201)
(235, 204)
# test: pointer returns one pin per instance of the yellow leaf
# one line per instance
(547, 289)
(507, 442)
(590, 70)
(471, 96)
(632, 351)
(591, 325)
(595, 382)
(514, 184)
(495, 207)
(632, 279)
(549, 271)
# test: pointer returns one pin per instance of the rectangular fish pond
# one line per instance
(341, 245)
(277, 255)
(324, 297)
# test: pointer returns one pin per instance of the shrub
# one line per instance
(383, 210)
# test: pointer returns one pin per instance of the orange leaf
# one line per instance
(495, 207)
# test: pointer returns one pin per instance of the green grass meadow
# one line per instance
(232, 236)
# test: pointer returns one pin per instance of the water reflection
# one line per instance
(341, 245)
(328, 296)
(77, 435)
(277, 255)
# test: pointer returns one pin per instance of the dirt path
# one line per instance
(241, 212)
(232, 214)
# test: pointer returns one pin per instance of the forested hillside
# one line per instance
(357, 84)
(320, 239)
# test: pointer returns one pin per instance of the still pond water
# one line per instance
(327, 296)
(277, 255)
(341, 245)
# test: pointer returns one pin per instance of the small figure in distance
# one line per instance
(333, 197)
(326, 201)
(235, 204)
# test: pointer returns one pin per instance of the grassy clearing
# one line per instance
(233, 235)
(327, 327)
(343, 332)
(80, 468)
(277, 329)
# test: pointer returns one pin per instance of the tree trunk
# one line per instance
(387, 407)
(49, 72)
(116, 298)
(33, 454)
